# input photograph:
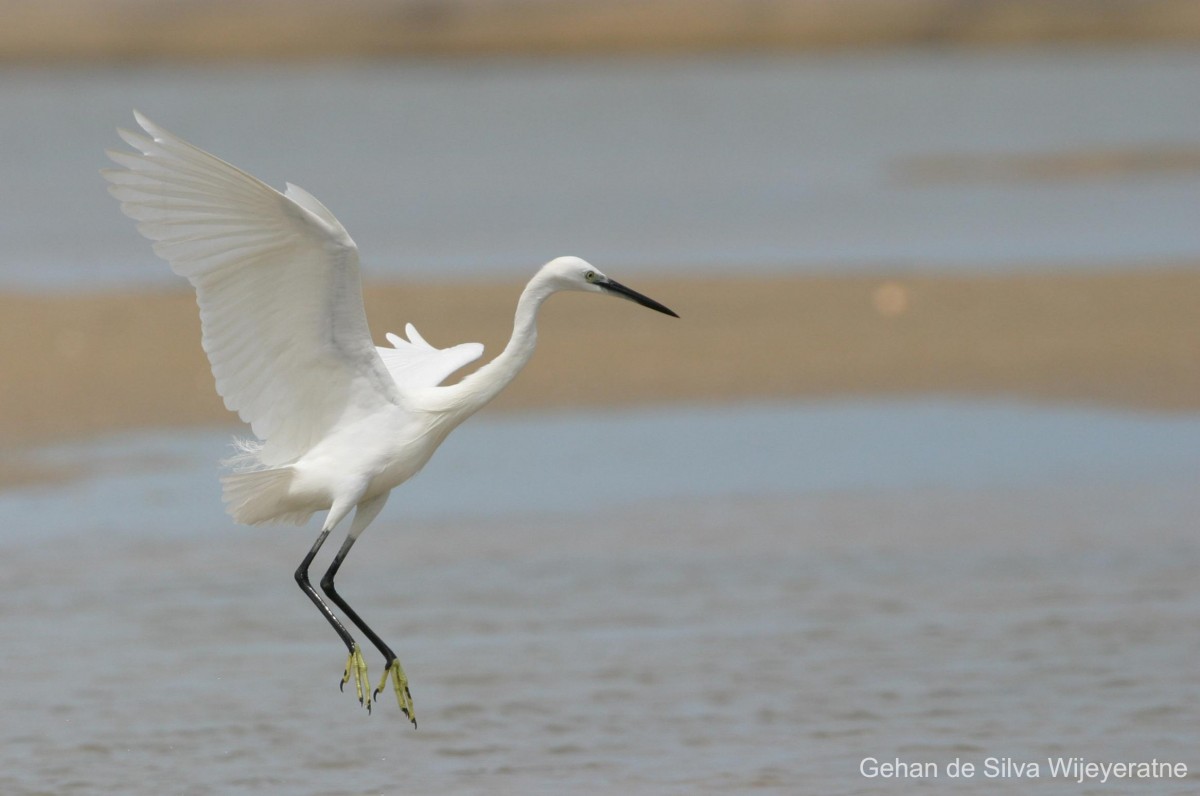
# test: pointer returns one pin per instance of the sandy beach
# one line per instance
(291, 29)
(82, 364)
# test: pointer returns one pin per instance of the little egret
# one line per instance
(339, 423)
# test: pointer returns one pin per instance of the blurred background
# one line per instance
(913, 477)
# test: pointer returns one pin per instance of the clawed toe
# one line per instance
(395, 672)
(356, 670)
(356, 667)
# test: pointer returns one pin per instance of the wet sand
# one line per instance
(297, 29)
(75, 365)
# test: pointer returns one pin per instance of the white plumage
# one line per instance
(416, 363)
(276, 278)
(339, 422)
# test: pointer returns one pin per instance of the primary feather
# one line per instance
(277, 280)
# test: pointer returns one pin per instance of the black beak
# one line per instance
(617, 288)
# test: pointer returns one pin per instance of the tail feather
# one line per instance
(261, 497)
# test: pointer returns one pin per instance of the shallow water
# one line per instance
(445, 169)
(693, 601)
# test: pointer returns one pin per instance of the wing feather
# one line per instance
(277, 281)
(415, 363)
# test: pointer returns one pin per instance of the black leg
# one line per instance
(356, 667)
(351, 614)
(392, 669)
(307, 588)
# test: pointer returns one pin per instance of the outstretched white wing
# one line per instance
(276, 278)
(415, 363)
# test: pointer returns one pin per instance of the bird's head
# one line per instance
(574, 273)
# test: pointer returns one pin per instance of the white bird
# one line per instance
(339, 423)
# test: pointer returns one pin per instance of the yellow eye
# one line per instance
(590, 276)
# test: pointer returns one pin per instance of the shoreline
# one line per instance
(79, 365)
(291, 30)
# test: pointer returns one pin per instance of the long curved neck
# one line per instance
(476, 390)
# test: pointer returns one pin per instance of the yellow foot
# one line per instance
(400, 686)
(356, 667)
